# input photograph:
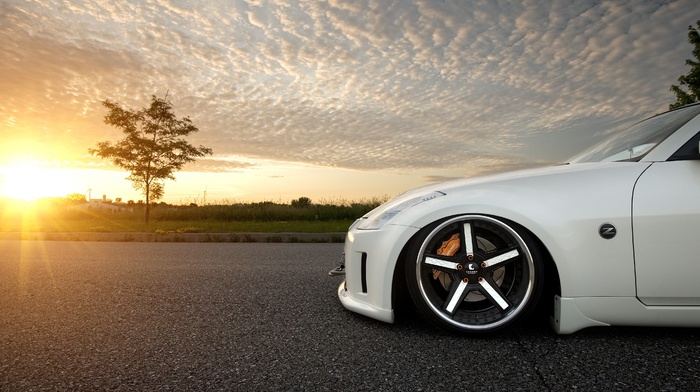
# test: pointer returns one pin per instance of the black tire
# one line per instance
(489, 284)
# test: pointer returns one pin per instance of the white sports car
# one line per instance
(611, 238)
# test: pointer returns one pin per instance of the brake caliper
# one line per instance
(448, 248)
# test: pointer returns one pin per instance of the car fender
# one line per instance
(564, 210)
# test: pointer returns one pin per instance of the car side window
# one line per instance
(689, 151)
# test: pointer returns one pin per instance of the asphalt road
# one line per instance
(207, 316)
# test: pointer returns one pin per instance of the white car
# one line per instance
(610, 238)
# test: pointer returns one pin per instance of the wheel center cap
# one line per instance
(471, 268)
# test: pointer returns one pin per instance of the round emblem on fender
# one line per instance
(607, 231)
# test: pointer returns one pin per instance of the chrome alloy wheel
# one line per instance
(474, 273)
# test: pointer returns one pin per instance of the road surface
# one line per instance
(213, 316)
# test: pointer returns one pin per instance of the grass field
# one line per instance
(62, 216)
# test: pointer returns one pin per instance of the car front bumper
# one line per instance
(370, 261)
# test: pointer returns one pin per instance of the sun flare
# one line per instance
(30, 180)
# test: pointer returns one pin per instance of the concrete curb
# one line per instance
(180, 237)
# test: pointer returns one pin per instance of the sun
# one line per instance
(30, 180)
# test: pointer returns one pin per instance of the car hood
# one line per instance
(531, 194)
(538, 174)
(567, 185)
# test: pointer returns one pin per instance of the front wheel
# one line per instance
(474, 274)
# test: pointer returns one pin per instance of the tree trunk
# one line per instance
(148, 204)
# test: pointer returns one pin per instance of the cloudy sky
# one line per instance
(329, 99)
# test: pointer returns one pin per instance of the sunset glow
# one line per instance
(327, 99)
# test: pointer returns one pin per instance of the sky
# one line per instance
(331, 100)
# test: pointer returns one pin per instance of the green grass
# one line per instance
(241, 218)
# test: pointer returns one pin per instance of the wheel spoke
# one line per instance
(502, 258)
(490, 290)
(468, 238)
(456, 296)
(441, 264)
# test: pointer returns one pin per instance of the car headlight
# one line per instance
(380, 216)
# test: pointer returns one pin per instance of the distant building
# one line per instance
(105, 204)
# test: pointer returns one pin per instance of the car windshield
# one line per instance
(635, 142)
